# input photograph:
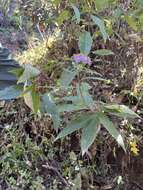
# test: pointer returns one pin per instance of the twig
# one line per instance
(57, 172)
(40, 31)
(138, 185)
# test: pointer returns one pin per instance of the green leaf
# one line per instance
(10, 93)
(82, 101)
(71, 107)
(107, 123)
(85, 43)
(28, 100)
(117, 13)
(29, 72)
(103, 52)
(101, 4)
(67, 77)
(56, 2)
(131, 22)
(121, 111)
(77, 13)
(83, 94)
(64, 15)
(101, 26)
(26, 90)
(17, 72)
(89, 133)
(35, 100)
(48, 106)
(97, 78)
(31, 98)
(80, 122)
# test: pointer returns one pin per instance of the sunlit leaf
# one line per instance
(107, 123)
(28, 100)
(121, 111)
(101, 4)
(131, 22)
(64, 15)
(56, 2)
(35, 100)
(31, 98)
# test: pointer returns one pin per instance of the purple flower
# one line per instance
(81, 58)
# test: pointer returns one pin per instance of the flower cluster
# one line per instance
(81, 58)
(133, 147)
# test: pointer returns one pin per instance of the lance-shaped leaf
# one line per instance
(109, 126)
(101, 26)
(85, 42)
(10, 93)
(28, 73)
(71, 107)
(120, 111)
(67, 77)
(77, 13)
(48, 106)
(35, 100)
(80, 122)
(89, 133)
(32, 99)
(103, 52)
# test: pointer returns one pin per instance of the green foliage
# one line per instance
(90, 122)
(120, 111)
(64, 15)
(77, 14)
(10, 93)
(105, 121)
(103, 52)
(75, 98)
(66, 77)
(18, 161)
(85, 43)
(69, 99)
(48, 106)
(101, 26)
(28, 73)
(89, 133)
(32, 98)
